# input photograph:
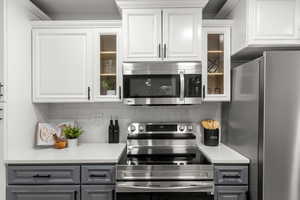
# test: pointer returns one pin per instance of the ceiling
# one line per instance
(79, 9)
(99, 9)
(212, 8)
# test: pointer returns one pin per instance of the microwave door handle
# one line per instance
(182, 86)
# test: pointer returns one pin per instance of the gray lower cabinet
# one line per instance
(97, 174)
(60, 182)
(43, 175)
(97, 192)
(48, 192)
(231, 175)
(231, 193)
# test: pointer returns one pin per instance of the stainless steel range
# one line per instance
(163, 162)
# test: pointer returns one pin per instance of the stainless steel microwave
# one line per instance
(161, 83)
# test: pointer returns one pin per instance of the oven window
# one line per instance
(165, 196)
(193, 85)
(151, 86)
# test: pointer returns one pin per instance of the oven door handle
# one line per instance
(182, 86)
(127, 188)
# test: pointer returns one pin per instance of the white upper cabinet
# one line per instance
(182, 34)
(62, 62)
(265, 23)
(162, 34)
(275, 20)
(142, 34)
(216, 60)
(107, 66)
(76, 61)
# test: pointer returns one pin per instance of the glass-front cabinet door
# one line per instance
(107, 84)
(216, 64)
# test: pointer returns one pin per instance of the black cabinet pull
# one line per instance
(165, 50)
(89, 93)
(203, 92)
(75, 195)
(42, 176)
(120, 92)
(159, 50)
(98, 175)
(232, 176)
(1, 86)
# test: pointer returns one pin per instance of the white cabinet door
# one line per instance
(275, 20)
(62, 62)
(107, 65)
(216, 63)
(182, 30)
(142, 34)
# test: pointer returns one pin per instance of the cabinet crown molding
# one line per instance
(217, 23)
(127, 4)
(77, 24)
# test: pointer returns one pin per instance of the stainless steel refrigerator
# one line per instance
(263, 123)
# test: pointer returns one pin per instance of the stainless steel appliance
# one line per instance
(263, 123)
(162, 83)
(163, 162)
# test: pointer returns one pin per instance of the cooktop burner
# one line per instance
(159, 158)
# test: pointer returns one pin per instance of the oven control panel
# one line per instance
(151, 128)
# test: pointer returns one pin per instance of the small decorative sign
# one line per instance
(46, 131)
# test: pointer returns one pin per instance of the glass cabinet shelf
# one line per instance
(215, 51)
(108, 52)
(108, 74)
(215, 74)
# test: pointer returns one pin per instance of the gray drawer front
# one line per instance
(231, 193)
(49, 192)
(97, 192)
(43, 175)
(231, 175)
(95, 174)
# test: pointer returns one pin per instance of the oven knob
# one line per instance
(181, 128)
(132, 128)
(141, 128)
(190, 128)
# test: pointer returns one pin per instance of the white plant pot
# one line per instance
(72, 143)
(111, 92)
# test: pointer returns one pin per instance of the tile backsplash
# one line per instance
(94, 118)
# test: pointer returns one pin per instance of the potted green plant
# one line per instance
(108, 85)
(72, 134)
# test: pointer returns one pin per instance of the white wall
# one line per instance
(94, 118)
(22, 115)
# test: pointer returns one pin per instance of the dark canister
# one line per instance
(211, 137)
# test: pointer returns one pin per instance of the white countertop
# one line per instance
(222, 154)
(110, 153)
(84, 153)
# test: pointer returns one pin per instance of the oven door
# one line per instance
(164, 190)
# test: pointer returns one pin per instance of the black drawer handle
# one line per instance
(42, 176)
(75, 195)
(232, 176)
(98, 175)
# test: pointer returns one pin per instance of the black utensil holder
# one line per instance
(211, 137)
